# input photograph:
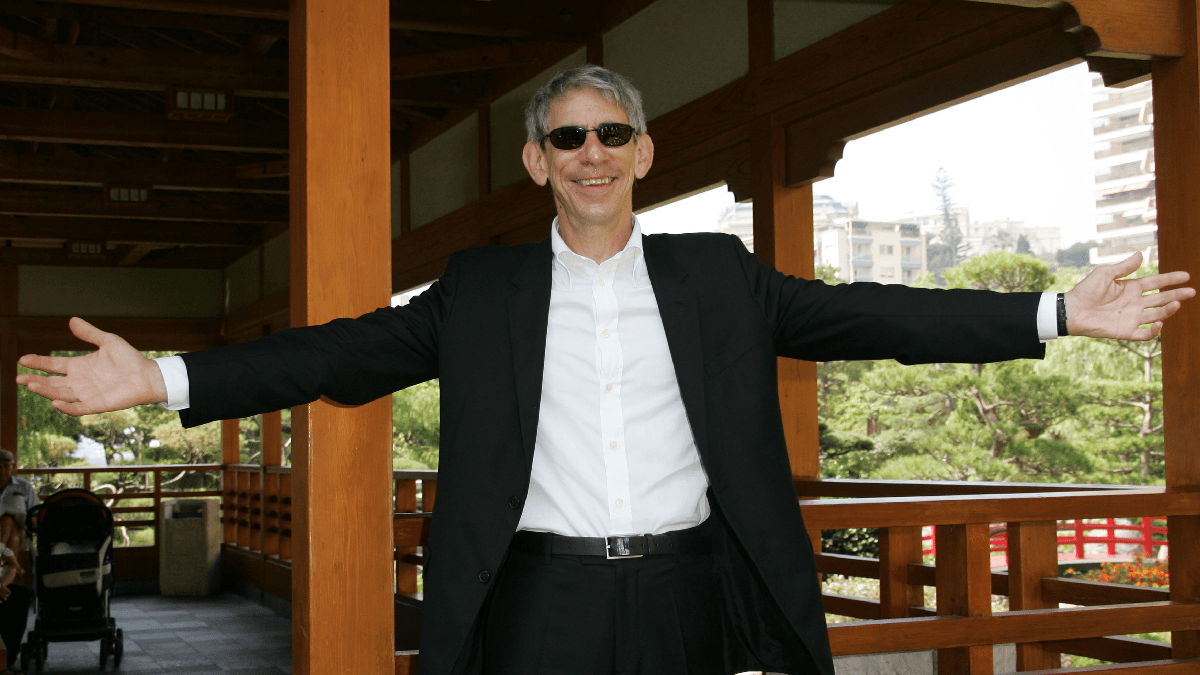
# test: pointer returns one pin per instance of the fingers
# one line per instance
(48, 387)
(87, 332)
(48, 364)
(1155, 281)
(1127, 266)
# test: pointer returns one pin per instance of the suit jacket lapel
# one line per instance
(678, 307)
(528, 314)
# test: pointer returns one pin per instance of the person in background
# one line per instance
(17, 496)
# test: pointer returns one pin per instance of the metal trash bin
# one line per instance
(189, 547)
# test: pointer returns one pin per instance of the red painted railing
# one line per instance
(1075, 535)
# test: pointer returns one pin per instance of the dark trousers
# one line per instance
(14, 614)
(586, 615)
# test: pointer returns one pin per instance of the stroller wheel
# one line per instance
(119, 648)
(105, 649)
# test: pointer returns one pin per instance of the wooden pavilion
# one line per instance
(195, 172)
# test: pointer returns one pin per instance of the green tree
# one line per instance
(417, 426)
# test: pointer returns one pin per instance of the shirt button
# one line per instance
(484, 576)
(514, 502)
(613, 445)
(620, 502)
(605, 333)
(608, 387)
(601, 282)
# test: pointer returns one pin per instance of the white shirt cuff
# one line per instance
(174, 372)
(1047, 317)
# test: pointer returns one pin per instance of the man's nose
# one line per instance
(593, 149)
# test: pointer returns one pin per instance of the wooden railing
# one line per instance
(962, 627)
(153, 489)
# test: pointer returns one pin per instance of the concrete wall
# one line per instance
(507, 130)
(445, 172)
(119, 292)
(242, 282)
(1004, 660)
(675, 51)
(800, 24)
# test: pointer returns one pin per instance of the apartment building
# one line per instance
(1126, 215)
(889, 253)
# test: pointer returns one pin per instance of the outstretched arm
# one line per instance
(114, 377)
(1105, 305)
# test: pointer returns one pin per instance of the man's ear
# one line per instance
(643, 157)
(535, 163)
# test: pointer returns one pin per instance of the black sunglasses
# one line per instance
(612, 134)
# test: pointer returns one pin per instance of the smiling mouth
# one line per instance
(595, 181)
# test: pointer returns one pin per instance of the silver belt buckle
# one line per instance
(616, 548)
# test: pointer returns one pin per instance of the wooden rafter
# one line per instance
(97, 171)
(132, 129)
(205, 257)
(1123, 28)
(129, 231)
(224, 208)
(535, 19)
(503, 55)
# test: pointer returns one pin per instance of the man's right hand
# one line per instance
(114, 377)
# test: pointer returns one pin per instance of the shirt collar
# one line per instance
(627, 266)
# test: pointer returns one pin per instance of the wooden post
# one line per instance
(231, 453)
(783, 237)
(9, 353)
(1032, 556)
(898, 548)
(964, 588)
(1177, 149)
(340, 195)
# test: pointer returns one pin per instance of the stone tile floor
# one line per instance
(184, 636)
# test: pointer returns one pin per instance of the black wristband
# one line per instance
(1062, 315)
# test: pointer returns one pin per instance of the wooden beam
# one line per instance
(135, 255)
(1032, 556)
(76, 13)
(964, 589)
(22, 47)
(340, 229)
(489, 57)
(903, 635)
(224, 208)
(149, 70)
(178, 175)
(1177, 147)
(899, 547)
(139, 130)
(465, 91)
(117, 231)
(1143, 29)
(206, 257)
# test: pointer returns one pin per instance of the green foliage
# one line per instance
(1075, 255)
(1140, 571)
(417, 426)
(1090, 412)
(1001, 271)
(862, 542)
(828, 274)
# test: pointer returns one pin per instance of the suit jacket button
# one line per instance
(484, 576)
(514, 502)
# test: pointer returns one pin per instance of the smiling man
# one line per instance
(614, 490)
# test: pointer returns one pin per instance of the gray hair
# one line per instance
(614, 87)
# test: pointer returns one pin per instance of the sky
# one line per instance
(1022, 153)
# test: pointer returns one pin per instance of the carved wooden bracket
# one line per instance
(1122, 28)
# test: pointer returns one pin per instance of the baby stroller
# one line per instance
(73, 579)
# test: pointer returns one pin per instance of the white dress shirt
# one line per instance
(614, 453)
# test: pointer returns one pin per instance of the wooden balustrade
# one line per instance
(962, 628)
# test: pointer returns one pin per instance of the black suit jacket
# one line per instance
(481, 329)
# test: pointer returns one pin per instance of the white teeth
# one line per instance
(595, 181)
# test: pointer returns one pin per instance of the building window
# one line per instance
(887, 272)
(886, 249)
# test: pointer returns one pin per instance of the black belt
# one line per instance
(631, 546)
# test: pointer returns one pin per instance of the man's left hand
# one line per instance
(1106, 305)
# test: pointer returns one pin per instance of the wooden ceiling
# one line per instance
(97, 168)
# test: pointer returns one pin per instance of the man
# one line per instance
(600, 384)
(17, 496)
